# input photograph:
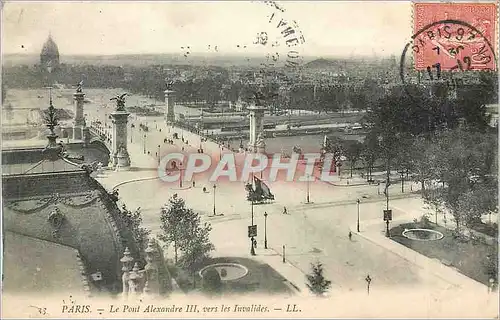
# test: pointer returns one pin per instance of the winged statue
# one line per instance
(260, 98)
(79, 87)
(169, 84)
(120, 101)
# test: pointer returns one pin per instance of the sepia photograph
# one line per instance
(249, 159)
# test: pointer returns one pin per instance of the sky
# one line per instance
(105, 28)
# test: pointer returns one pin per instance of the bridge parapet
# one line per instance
(102, 135)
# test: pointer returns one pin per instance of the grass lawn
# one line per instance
(468, 257)
(261, 278)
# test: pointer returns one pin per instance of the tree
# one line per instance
(182, 227)
(133, 221)
(4, 91)
(172, 223)
(369, 154)
(463, 162)
(352, 152)
(317, 283)
(336, 149)
(196, 245)
(422, 153)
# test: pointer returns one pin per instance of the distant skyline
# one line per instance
(338, 28)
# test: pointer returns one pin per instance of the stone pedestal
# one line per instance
(119, 157)
(257, 134)
(78, 120)
(169, 102)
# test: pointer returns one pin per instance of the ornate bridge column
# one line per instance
(78, 120)
(169, 101)
(257, 134)
(119, 157)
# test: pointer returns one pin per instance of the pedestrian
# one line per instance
(284, 210)
(182, 148)
(204, 189)
(194, 184)
(350, 235)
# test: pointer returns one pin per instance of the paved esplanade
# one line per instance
(311, 232)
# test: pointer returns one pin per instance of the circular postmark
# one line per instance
(282, 38)
(282, 41)
(443, 48)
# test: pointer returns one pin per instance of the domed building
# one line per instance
(49, 57)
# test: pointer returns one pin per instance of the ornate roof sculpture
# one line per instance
(53, 150)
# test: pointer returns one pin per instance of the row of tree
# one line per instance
(212, 85)
(439, 138)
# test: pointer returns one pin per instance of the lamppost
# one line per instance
(387, 212)
(252, 249)
(144, 143)
(180, 177)
(357, 225)
(368, 281)
(215, 187)
(159, 154)
(401, 174)
(131, 132)
(265, 230)
(307, 190)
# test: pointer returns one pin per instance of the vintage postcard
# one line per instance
(249, 159)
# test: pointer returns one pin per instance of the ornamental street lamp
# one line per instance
(307, 190)
(368, 281)
(252, 247)
(357, 226)
(265, 230)
(159, 154)
(215, 187)
(402, 181)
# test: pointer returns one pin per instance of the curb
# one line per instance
(320, 205)
(132, 181)
(289, 283)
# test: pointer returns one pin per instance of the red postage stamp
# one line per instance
(455, 36)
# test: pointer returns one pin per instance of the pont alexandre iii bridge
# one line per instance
(114, 137)
(114, 143)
